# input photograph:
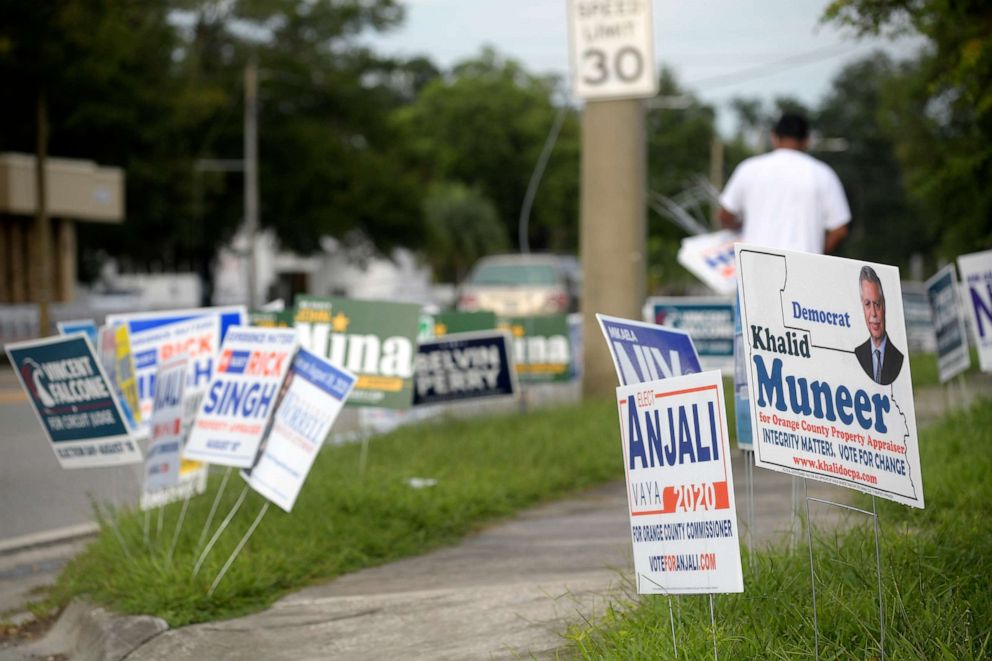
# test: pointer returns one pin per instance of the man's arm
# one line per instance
(728, 220)
(833, 239)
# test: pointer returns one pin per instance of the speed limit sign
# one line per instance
(612, 49)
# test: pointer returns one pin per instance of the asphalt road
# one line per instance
(38, 499)
(41, 502)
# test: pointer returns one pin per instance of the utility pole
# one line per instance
(251, 176)
(612, 70)
(42, 233)
(613, 228)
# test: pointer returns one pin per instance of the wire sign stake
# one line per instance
(878, 566)
(237, 549)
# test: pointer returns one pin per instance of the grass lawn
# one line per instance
(344, 520)
(926, 373)
(937, 566)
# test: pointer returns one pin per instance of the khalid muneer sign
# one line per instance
(830, 387)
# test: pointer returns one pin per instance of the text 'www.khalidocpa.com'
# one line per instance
(835, 469)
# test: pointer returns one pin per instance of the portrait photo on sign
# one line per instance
(879, 358)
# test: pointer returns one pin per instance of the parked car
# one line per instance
(522, 285)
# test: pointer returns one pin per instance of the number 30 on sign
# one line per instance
(612, 50)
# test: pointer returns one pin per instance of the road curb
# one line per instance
(48, 537)
(85, 632)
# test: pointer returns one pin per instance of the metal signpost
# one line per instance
(612, 65)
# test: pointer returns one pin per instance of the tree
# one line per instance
(752, 121)
(885, 226)
(54, 54)
(940, 111)
(154, 87)
(484, 124)
(679, 138)
(462, 226)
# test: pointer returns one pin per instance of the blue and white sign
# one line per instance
(74, 402)
(242, 396)
(85, 326)
(196, 339)
(230, 315)
(953, 356)
(742, 400)
(710, 257)
(709, 321)
(314, 393)
(976, 276)
(166, 437)
(646, 352)
(463, 366)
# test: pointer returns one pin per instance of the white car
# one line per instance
(522, 285)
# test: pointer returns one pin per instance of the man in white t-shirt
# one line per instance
(786, 198)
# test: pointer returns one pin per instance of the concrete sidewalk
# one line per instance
(505, 593)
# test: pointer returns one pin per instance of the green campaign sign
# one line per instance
(542, 347)
(375, 340)
(268, 319)
(446, 323)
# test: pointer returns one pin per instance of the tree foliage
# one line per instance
(886, 227)
(484, 125)
(940, 110)
(93, 61)
(462, 226)
(679, 134)
(155, 88)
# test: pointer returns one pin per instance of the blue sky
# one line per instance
(719, 49)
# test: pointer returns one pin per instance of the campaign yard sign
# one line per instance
(680, 487)
(166, 431)
(830, 388)
(742, 400)
(229, 315)
(449, 323)
(710, 257)
(196, 338)
(314, 393)
(192, 477)
(646, 352)
(464, 366)
(74, 402)
(709, 321)
(375, 340)
(85, 326)
(542, 347)
(953, 356)
(142, 327)
(271, 318)
(125, 378)
(242, 396)
(976, 276)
